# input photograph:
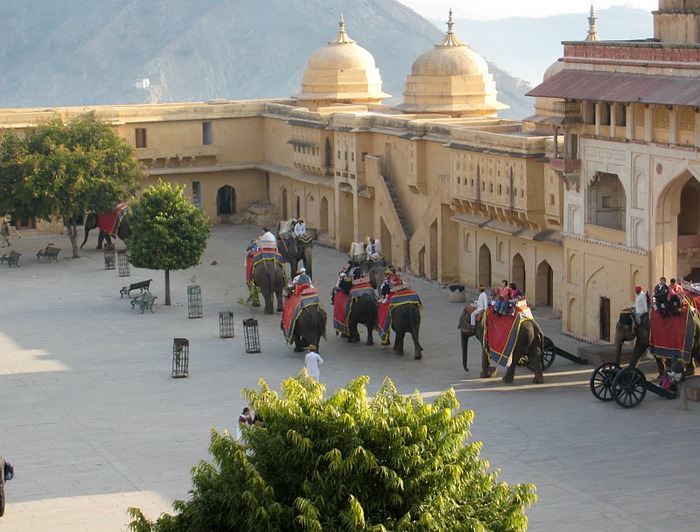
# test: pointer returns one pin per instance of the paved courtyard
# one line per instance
(94, 423)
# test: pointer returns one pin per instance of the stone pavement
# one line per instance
(93, 422)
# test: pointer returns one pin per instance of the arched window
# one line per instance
(226, 200)
(607, 202)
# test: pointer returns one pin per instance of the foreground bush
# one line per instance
(347, 462)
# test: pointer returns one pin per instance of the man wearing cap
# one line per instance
(482, 303)
(373, 249)
(313, 362)
(641, 305)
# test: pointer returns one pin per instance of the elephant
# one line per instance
(92, 222)
(375, 270)
(363, 309)
(294, 250)
(627, 330)
(406, 319)
(268, 276)
(530, 343)
(309, 328)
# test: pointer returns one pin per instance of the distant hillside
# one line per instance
(525, 47)
(86, 52)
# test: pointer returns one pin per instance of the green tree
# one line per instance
(347, 462)
(62, 171)
(167, 231)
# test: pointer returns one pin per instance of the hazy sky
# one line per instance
(515, 8)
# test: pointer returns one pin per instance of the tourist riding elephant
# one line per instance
(375, 270)
(363, 309)
(530, 343)
(268, 276)
(406, 319)
(627, 330)
(309, 328)
(105, 222)
(295, 249)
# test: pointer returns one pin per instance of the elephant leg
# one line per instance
(100, 238)
(536, 361)
(398, 342)
(280, 301)
(297, 344)
(661, 366)
(370, 335)
(487, 370)
(690, 367)
(417, 348)
(465, 349)
(510, 372)
(268, 296)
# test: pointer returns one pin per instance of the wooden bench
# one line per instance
(143, 301)
(142, 286)
(49, 253)
(12, 258)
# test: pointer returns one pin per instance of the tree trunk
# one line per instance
(167, 287)
(73, 235)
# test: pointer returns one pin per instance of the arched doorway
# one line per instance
(689, 231)
(225, 201)
(323, 225)
(283, 204)
(485, 265)
(518, 273)
(297, 206)
(345, 218)
(676, 227)
(544, 285)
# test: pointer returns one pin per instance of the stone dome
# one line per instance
(450, 61)
(552, 69)
(450, 79)
(341, 72)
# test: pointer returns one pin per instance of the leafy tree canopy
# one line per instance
(167, 231)
(348, 462)
(57, 170)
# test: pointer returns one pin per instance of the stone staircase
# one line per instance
(391, 187)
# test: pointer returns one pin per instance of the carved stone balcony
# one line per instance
(179, 156)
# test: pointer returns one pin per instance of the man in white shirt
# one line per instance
(373, 249)
(482, 303)
(641, 305)
(300, 228)
(313, 362)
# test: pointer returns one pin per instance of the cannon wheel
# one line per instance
(548, 354)
(628, 388)
(602, 379)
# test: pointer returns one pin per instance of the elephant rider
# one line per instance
(675, 291)
(482, 303)
(661, 297)
(641, 305)
(299, 228)
(503, 296)
(373, 249)
(302, 280)
(267, 240)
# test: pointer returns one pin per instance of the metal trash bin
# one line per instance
(181, 357)
(194, 301)
(110, 258)
(251, 336)
(123, 263)
(226, 324)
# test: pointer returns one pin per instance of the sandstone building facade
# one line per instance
(595, 193)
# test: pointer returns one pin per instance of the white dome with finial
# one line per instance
(341, 72)
(450, 79)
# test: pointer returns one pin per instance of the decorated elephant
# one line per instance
(627, 330)
(405, 319)
(528, 343)
(295, 248)
(309, 328)
(363, 310)
(268, 277)
(375, 270)
(111, 224)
